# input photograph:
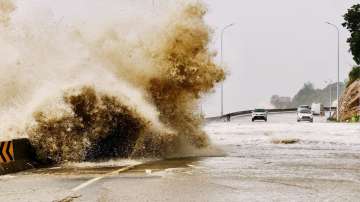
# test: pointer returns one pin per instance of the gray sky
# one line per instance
(274, 47)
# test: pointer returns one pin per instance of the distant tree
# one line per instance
(274, 100)
(352, 23)
(280, 102)
(354, 75)
(305, 96)
(308, 94)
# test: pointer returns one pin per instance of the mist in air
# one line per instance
(113, 87)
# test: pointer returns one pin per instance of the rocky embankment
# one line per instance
(350, 102)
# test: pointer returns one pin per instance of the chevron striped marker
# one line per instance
(6, 152)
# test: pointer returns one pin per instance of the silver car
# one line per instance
(259, 114)
(305, 115)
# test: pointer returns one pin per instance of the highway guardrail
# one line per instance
(228, 117)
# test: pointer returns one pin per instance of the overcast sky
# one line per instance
(275, 47)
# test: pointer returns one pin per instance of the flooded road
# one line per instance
(322, 163)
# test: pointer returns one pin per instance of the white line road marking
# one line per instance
(92, 181)
(89, 182)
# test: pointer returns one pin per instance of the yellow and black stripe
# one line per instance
(6, 152)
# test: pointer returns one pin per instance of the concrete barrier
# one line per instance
(16, 155)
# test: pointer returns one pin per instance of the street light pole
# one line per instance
(330, 99)
(338, 69)
(221, 62)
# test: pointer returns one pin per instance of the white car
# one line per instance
(259, 114)
(305, 115)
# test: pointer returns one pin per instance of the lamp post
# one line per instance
(338, 69)
(221, 62)
(155, 4)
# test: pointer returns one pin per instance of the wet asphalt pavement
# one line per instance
(322, 164)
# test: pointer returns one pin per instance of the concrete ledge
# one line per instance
(23, 157)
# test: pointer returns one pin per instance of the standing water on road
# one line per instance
(110, 87)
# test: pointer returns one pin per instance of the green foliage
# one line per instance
(352, 23)
(355, 118)
(354, 75)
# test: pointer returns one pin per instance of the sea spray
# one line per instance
(6, 8)
(85, 93)
(95, 125)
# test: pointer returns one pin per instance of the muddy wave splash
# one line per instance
(96, 126)
(121, 92)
